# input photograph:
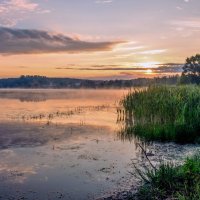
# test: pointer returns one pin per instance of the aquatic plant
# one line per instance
(170, 181)
(163, 113)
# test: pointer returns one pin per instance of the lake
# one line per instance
(61, 144)
(64, 144)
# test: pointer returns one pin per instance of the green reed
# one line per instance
(163, 113)
(170, 181)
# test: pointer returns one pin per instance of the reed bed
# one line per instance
(163, 113)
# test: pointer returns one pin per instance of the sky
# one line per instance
(97, 39)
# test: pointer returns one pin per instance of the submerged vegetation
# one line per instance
(170, 181)
(163, 113)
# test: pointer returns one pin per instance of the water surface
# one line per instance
(61, 144)
(65, 144)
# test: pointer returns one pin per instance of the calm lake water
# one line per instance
(61, 144)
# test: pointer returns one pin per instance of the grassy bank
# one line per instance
(163, 113)
(172, 182)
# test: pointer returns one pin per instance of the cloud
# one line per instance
(103, 1)
(13, 11)
(189, 23)
(168, 69)
(153, 52)
(164, 68)
(179, 8)
(171, 64)
(24, 41)
(104, 68)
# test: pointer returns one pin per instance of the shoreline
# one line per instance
(159, 153)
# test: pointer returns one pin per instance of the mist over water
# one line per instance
(61, 144)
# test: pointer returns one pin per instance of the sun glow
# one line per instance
(149, 64)
(149, 71)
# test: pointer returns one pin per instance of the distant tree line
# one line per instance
(46, 82)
